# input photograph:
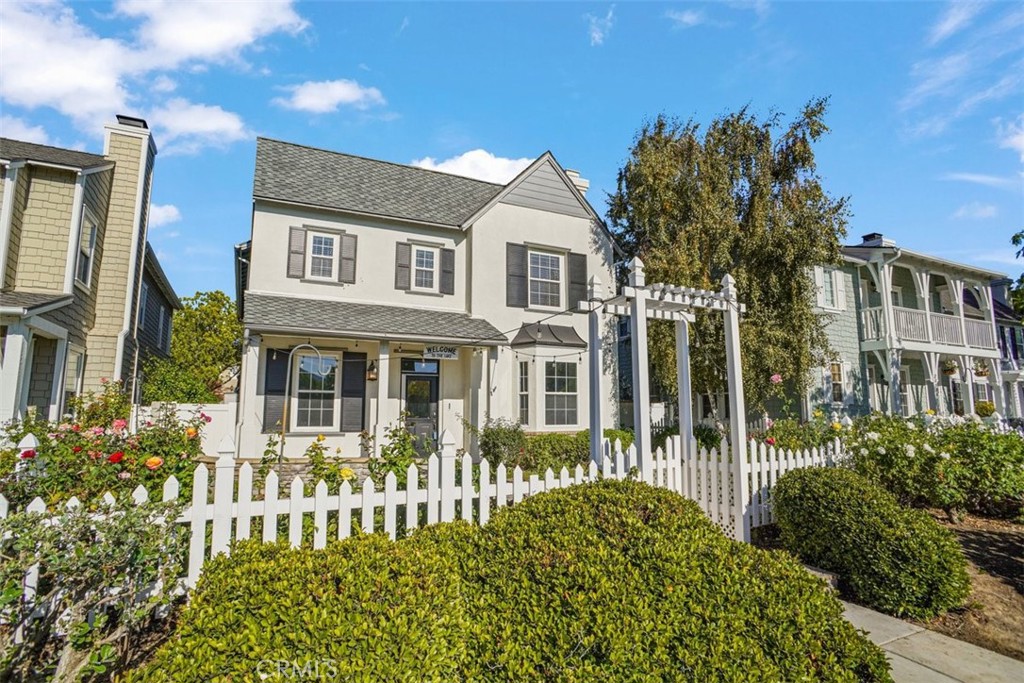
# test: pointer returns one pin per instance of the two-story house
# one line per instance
(76, 269)
(375, 294)
(1010, 337)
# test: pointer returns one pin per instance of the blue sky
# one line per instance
(927, 99)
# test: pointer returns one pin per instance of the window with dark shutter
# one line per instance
(447, 271)
(353, 392)
(577, 280)
(297, 253)
(403, 262)
(516, 293)
(347, 267)
(275, 375)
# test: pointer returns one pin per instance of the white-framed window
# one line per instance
(837, 385)
(165, 340)
(74, 371)
(956, 388)
(161, 325)
(981, 392)
(143, 304)
(323, 256)
(896, 295)
(905, 392)
(524, 392)
(545, 279)
(425, 262)
(560, 393)
(86, 249)
(315, 393)
(829, 283)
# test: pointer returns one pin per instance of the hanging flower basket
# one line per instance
(981, 369)
(950, 368)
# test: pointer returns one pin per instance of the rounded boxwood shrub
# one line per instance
(362, 609)
(622, 581)
(894, 559)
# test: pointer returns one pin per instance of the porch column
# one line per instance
(995, 383)
(596, 320)
(477, 383)
(638, 332)
(956, 293)
(967, 374)
(931, 365)
(383, 415)
(59, 374)
(15, 371)
(248, 376)
(885, 290)
(895, 357)
(922, 280)
(737, 411)
(685, 389)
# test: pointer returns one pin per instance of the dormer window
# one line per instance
(322, 256)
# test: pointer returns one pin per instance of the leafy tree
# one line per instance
(1017, 289)
(741, 197)
(205, 341)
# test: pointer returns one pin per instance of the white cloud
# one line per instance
(998, 182)
(599, 27)
(163, 214)
(18, 129)
(163, 84)
(975, 211)
(958, 15)
(479, 164)
(686, 18)
(321, 97)
(183, 127)
(1011, 135)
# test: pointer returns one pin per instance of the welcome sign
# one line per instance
(441, 353)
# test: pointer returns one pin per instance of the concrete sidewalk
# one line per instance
(921, 656)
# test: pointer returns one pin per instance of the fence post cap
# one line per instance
(636, 272)
(226, 450)
(28, 442)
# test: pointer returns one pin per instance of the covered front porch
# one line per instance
(912, 382)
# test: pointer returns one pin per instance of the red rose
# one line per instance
(770, 441)
(76, 449)
(28, 454)
(116, 457)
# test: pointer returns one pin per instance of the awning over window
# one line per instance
(540, 334)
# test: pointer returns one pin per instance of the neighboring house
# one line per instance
(432, 299)
(1010, 335)
(74, 268)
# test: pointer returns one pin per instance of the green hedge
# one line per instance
(504, 441)
(603, 582)
(894, 559)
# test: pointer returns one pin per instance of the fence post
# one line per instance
(737, 407)
(447, 454)
(223, 496)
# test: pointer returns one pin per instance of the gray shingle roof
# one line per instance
(16, 149)
(343, 318)
(30, 300)
(306, 175)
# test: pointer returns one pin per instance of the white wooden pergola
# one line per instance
(660, 301)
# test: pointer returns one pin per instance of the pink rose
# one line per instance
(124, 475)
(119, 425)
(98, 431)
(776, 378)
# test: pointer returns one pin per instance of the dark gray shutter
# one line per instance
(275, 375)
(297, 252)
(403, 265)
(353, 391)
(447, 271)
(577, 280)
(347, 267)
(516, 293)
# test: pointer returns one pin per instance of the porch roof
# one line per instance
(542, 334)
(30, 303)
(270, 313)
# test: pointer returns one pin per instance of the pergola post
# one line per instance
(596, 318)
(685, 390)
(641, 388)
(737, 409)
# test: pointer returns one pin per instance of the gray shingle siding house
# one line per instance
(423, 294)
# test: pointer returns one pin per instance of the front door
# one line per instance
(421, 411)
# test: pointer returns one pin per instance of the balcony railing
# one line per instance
(914, 325)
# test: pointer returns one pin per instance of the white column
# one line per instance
(383, 415)
(685, 388)
(931, 364)
(737, 409)
(477, 390)
(248, 380)
(15, 371)
(922, 279)
(885, 290)
(956, 293)
(967, 373)
(596, 321)
(638, 332)
(894, 382)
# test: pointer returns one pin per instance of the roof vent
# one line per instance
(132, 121)
(581, 184)
(876, 239)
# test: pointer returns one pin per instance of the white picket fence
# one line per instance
(734, 493)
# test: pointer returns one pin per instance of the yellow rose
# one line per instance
(836, 426)
(320, 438)
(347, 473)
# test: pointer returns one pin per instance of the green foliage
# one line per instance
(362, 609)
(501, 440)
(394, 456)
(504, 441)
(741, 197)
(889, 557)
(90, 564)
(1017, 289)
(954, 464)
(554, 450)
(985, 408)
(88, 459)
(604, 582)
(205, 341)
(92, 409)
(791, 434)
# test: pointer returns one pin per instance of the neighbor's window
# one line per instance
(73, 373)
(838, 392)
(86, 249)
(830, 297)
(424, 269)
(315, 393)
(524, 392)
(545, 279)
(560, 393)
(143, 305)
(166, 339)
(322, 256)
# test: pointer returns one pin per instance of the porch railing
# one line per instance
(872, 326)
(979, 334)
(914, 325)
(911, 324)
(946, 329)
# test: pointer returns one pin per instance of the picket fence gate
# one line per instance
(735, 493)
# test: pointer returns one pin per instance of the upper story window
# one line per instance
(545, 279)
(143, 305)
(166, 340)
(896, 294)
(829, 283)
(323, 255)
(424, 268)
(86, 249)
